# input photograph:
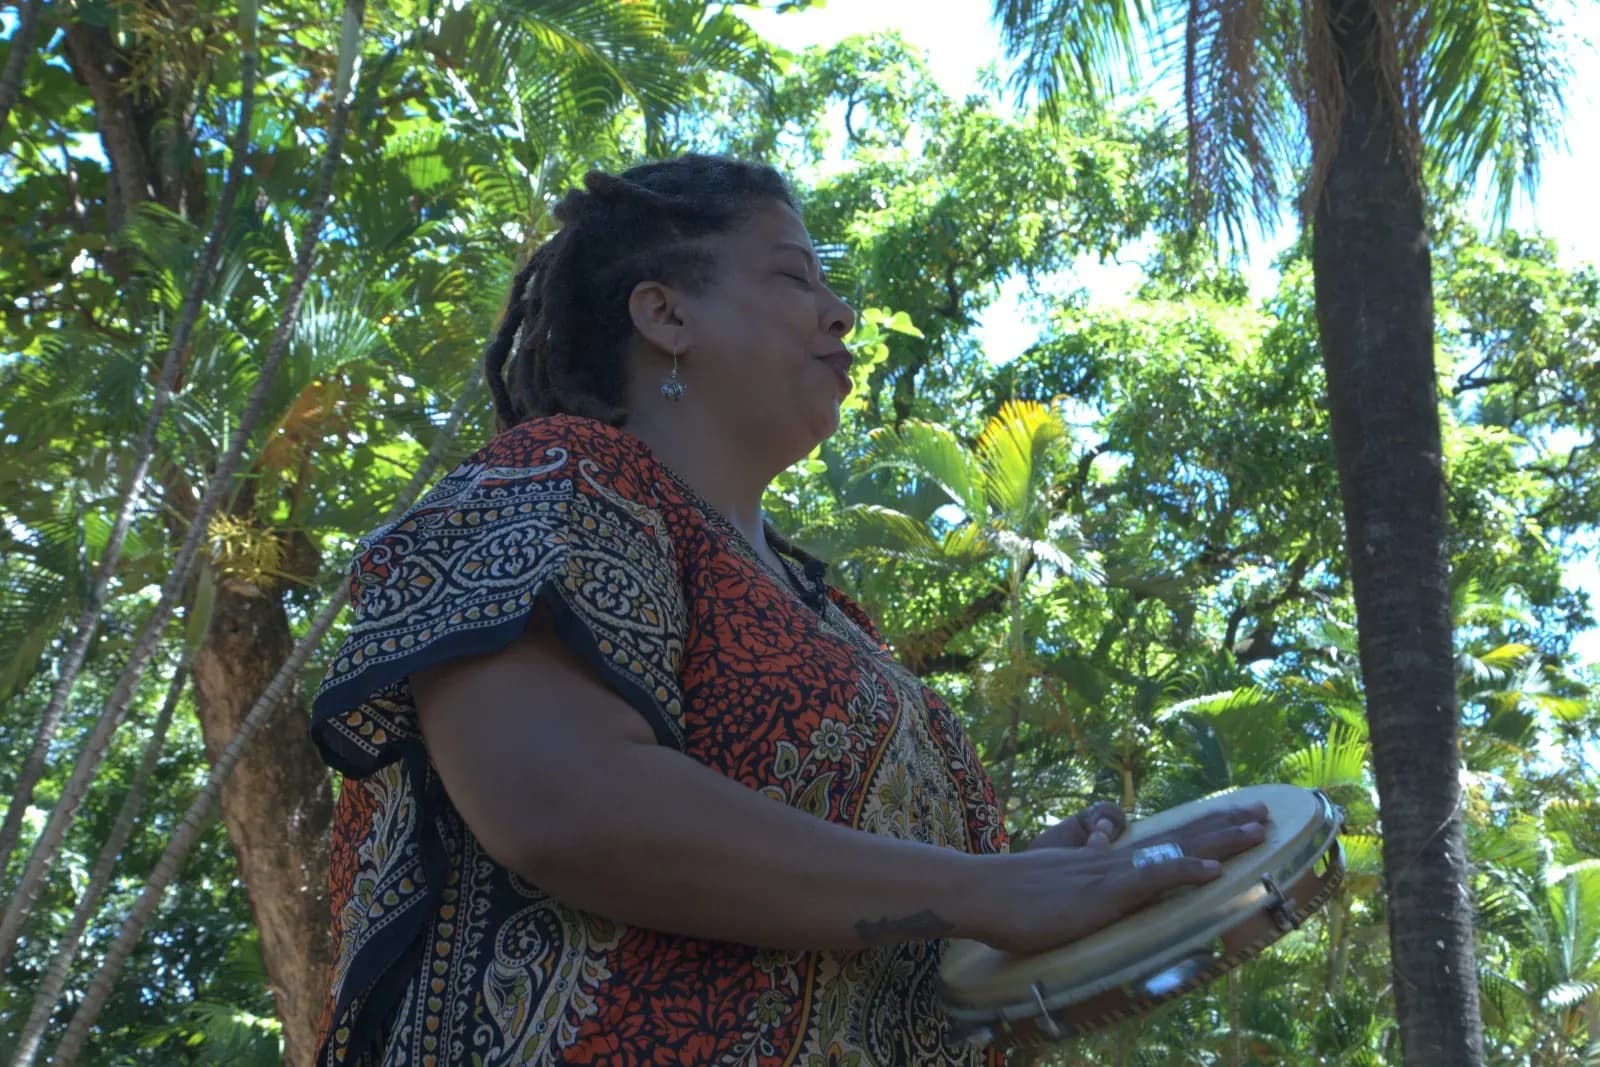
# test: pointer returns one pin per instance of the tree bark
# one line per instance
(100, 65)
(1235, 1045)
(144, 134)
(16, 66)
(1375, 309)
(277, 804)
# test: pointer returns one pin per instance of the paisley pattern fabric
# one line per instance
(446, 957)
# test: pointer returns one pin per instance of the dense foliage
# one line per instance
(1119, 554)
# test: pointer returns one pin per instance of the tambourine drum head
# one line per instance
(977, 976)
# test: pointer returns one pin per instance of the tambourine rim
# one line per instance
(1132, 1006)
(1288, 872)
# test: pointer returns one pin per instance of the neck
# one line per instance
(730, 480)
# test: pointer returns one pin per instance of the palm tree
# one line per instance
(199, 811)
(187, 557)
(1545, 983)
(144, 451)
(55, 979)
(528, 88)
(998, 493)
(1386, 94)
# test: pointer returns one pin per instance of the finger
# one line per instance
(1220, 819)
(1145, 884)
(1218, 842)
(1099, 840)
(1232, 816)
(1230, 841)
(1109, 818)
(1068, 833)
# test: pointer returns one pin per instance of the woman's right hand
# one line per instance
(1050, 896)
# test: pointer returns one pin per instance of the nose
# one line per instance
(841, 319)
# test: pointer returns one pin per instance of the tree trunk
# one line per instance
(17, 62)
(55, 978)
(220, 485)
(1235, 1045)
(1338, 913)
(1008, 746)
(277, 804)
(1375, 310)
(166, 869)
(100, 65)
(88, 620)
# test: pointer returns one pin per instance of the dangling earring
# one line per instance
(672, 385)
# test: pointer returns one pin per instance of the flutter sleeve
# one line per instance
(556, 515)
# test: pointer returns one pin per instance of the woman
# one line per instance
(626, 781)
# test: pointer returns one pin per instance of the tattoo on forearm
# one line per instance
(922, 925)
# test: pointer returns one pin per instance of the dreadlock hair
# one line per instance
(562, 346)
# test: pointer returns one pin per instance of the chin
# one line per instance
(788, 433)
(804, 437)
(825, 427)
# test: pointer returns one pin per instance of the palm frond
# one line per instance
(1240, 145)
(1512, 848)
(1574, 898)
(1012, 454)
(592, 55)
(1578, 821)
(878, 532)
(1064, 48)
(933, 453)
(33, 607)
(1491, 666)
(966, 544)
(1502, 911)
(715, 39)
(1363, 855)
(1568, 995)
(1212, 705)
(1066, 548)
(1341, 760)
(333, 330)
(1503, 997)
(1492, 84)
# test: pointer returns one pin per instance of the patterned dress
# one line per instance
(444, 957)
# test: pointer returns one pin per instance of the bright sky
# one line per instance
(960, 43)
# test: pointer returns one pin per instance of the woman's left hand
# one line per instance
(1094, 827)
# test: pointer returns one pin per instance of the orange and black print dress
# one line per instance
(444, 957)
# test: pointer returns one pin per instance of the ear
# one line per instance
(653, 307)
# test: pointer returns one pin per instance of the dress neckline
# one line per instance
(795, 582)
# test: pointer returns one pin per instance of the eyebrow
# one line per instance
(796, 246)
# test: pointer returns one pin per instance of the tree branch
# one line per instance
(17, 62)
(99, 64)
(924, 651)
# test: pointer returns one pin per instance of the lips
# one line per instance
(840, 362)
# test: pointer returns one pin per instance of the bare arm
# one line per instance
(564, 784)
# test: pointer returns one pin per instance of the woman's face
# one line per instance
(761, 350)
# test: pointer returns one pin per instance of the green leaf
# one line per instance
(1012, 454)
(933, 452)
(1341, 760)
